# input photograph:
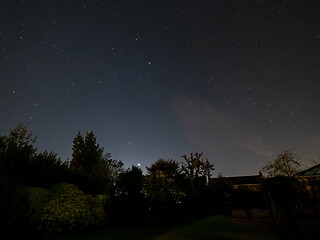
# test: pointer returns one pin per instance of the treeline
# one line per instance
(168, 189)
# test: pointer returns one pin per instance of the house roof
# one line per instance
(254, 179)
(315, 170)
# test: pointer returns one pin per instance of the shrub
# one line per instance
(14, 208)
(69, 208)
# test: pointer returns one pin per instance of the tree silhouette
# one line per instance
(162, 184)
(113, 169)
(129, 201)
(16, 154)
(78, 158)
(207, 166)
(86, 155)
(131, 181)
(193, 166)
(88, 164)
(47, 169)
(286, 164)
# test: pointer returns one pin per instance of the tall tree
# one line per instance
(131, 181)
(162, 185)
(207, 168)
(16, 154)
(286, 164)
(114, 168)
(87, 154)
(193, 166)
(88, 164)
(108, 171)
(129, 200)
(78, 158)
(21, 163)
(167, 168)
(93, 152)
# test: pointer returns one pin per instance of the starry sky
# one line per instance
(237, 80)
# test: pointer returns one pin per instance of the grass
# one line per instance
(116, 232)
(215, 227)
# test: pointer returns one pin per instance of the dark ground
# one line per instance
(215, 227)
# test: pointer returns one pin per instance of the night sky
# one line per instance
(237, 80)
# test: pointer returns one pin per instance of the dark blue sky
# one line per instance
(238, 80)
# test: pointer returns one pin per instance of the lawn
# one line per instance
(217, 228)
(210, 228)
(116, 232)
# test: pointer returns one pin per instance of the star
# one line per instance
(111, 66)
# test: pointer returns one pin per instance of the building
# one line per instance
(313, 171)
(249, 183)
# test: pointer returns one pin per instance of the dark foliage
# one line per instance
(129, 201)
(69, 208)
(16, 155)
(131, 181)
(163, 187)
(88, 165)
(21, 164)
(14, 208)
(86, 154)
(168, 191)
(295, 205)
(285, 196)
(47, 169)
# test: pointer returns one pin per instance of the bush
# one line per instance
(14, 208)
(69, 208)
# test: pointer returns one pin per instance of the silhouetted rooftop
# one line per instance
(315, 170)
(254, 179)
